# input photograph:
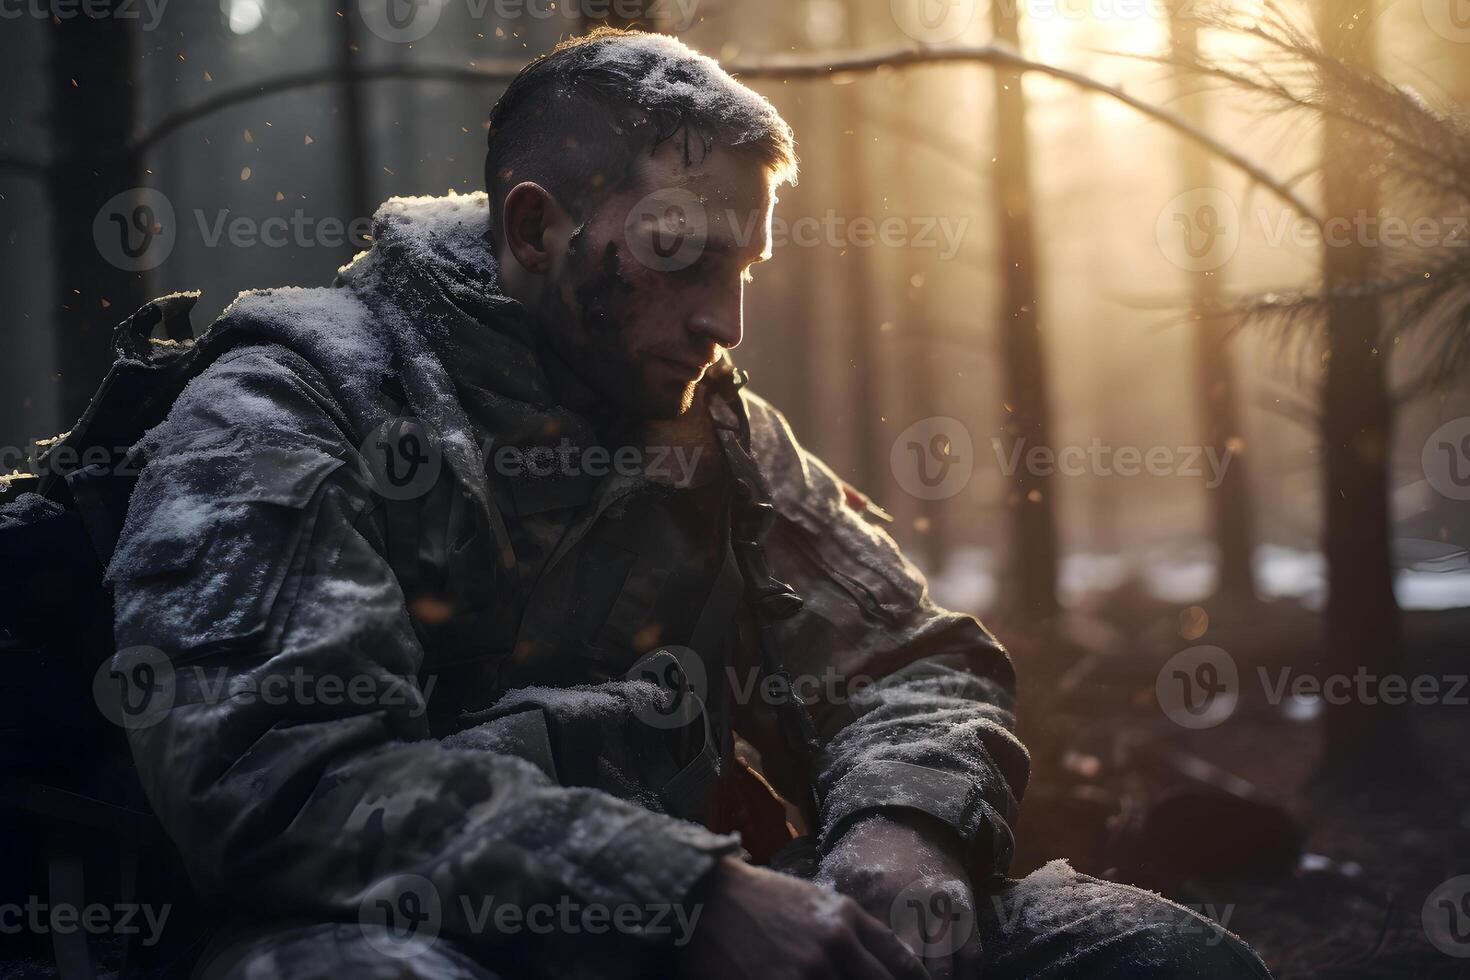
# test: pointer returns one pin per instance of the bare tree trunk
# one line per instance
(796, 323)
(90, 79)
(1232, 516)
(828, 390)
(922, 382)
(1030, 502)
(1460, 82)
(1362, 630)
(861, 354)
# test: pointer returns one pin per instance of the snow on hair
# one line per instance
(663, 76)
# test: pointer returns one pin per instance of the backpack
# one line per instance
(75, 828)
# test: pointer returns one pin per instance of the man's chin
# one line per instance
(672, 405)
(656, 400)
(665, 395)
(687, 396)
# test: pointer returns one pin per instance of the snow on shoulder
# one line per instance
(436, 230)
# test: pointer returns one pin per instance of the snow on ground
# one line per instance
(1429, 578)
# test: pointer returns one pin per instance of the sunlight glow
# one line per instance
(244, 15)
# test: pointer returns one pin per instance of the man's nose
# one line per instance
(721, 321)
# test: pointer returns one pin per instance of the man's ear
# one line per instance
(528, 213)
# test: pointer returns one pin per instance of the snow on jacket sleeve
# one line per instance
(295, 769)
(923, 713)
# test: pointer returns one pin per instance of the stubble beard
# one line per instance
(587, 334)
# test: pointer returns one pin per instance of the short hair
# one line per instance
(577, 120)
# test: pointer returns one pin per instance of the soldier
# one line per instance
(506, 632)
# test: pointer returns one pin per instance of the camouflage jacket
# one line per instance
(377, 675)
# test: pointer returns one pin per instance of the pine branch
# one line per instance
(1419, 150)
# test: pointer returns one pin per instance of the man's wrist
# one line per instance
(877, 839)
(934, 832)
(924, 829)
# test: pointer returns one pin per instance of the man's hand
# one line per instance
(760, 923)
(905, 871)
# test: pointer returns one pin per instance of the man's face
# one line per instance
(649, 289)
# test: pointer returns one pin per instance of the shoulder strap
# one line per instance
(771, 600)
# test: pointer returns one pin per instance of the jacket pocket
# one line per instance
(211, 540)
(842, 545)
(862, 561)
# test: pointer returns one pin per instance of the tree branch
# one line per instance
(784, 67)
(23, 166)
(170, 123)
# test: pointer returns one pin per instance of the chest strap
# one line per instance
(771, 600)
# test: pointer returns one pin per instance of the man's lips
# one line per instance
(692, 369)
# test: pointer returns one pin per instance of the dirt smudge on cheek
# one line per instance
(601, 290)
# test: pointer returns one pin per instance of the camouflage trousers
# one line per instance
(1054, 924)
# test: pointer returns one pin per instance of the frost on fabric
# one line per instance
(919, 722)
(876, 854)
(221, 494)
(227, 443)
(185, 518)
(827, 905)
(612, 714)
(1052, 900)
(431, 261)
(943, 719)
(589, 702)
(329, 327)
(28, 508)
(448, 233)
(384, 317)
(378, 321)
